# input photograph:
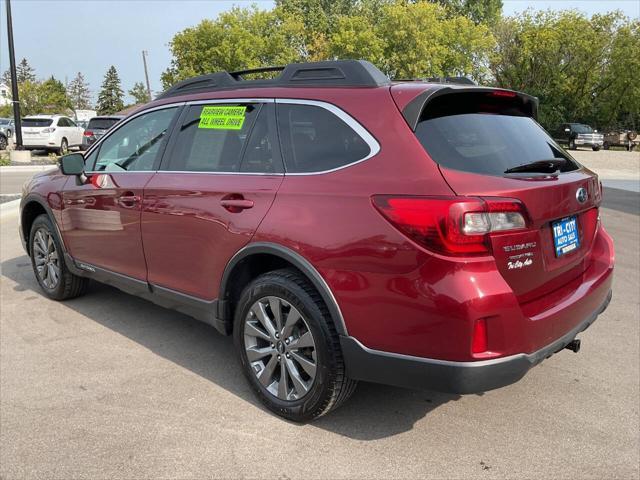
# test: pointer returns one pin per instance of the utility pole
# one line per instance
(146, 73)
(14, 79)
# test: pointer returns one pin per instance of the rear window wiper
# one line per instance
(542, 166)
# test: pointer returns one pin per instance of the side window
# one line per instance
(212, 138)
(70, 123)
(62, 122)
(136, 144)
(314, 139)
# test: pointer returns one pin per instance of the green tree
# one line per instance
(52, 96)
(580, 68)
(25, 72)
(111, 94)
(79, 93)
(478, 11)
(139, 93)
(414, 40)
(238, 39)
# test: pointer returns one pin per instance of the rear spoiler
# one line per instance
(528, 104)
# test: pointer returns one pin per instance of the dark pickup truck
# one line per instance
(578, 134)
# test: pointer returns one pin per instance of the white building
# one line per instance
(5, 95)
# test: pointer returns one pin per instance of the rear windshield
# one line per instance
(36, 122)
(102, 123)
(582, 129)
(478, 134)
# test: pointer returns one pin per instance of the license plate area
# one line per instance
(565, 235)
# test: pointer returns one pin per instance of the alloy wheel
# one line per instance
(280, 348)
(46, 258)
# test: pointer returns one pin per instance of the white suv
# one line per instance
(50, 132)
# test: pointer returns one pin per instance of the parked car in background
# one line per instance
(340, 226)
(621, 138)
(6, 131)
(96, 127)
(50, 132)
(579, 135)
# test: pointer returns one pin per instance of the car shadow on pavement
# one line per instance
(373, 412)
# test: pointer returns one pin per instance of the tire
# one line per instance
(273, 356)
(57, 282)
(64, 147)
(572, 145)
(3, 142)
(605, 145)
(595, 149)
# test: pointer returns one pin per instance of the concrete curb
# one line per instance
(9, 209)
(26, 168)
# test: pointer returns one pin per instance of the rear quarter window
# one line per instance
(316, 140)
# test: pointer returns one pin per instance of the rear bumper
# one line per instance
(447, 376)
(588, 142)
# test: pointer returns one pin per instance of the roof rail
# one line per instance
(454, 80)
(337, 73)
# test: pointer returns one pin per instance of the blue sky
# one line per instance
(62, 37)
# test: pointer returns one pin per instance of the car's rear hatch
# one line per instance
(477, 136)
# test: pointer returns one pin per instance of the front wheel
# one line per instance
(572, 145)
(595, 149)
(47, 260)
(3, 142)
(289, 348)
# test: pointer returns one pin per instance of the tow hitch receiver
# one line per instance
(573, 345)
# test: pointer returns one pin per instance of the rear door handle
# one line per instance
(236, 205)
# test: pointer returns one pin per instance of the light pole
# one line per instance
(146, 73)
(14, 79)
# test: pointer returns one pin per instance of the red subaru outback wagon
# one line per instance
(340, 226)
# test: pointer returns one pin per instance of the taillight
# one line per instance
(88, 133)
(457, 226)
(49, 130)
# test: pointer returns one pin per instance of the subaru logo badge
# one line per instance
(582, 195)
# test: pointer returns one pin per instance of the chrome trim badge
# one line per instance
(582, 195)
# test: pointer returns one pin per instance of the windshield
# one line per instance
(36, 122)
(582, 129)
(5, 121)
(102, 123)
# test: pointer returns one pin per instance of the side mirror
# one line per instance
(72, 164)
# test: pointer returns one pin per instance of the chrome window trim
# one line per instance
(203, 172)
(370, 140)
(374, 146)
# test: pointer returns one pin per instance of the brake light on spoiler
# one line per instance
(456, 226)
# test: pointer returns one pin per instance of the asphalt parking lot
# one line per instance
(111, 386)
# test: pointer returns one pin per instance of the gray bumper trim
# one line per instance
(446, 376)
